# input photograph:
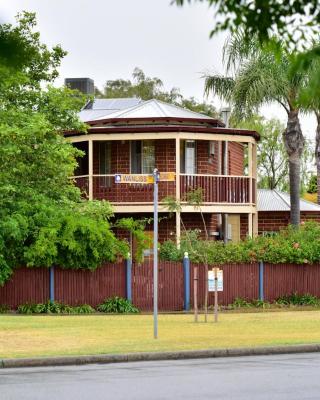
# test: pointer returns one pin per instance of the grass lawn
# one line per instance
(33, 336)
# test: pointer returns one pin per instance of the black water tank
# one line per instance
(85, 85)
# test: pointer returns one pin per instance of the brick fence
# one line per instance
(76, 287)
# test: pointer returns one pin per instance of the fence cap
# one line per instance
(186, 254)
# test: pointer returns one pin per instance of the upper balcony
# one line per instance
(197, 166)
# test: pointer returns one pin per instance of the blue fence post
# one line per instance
(51, 283)
(129, 279)
(261, 268)
(186, 275)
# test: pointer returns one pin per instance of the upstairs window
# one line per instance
(142, 156)
(104, 158)
(105, 164)
(188, 163)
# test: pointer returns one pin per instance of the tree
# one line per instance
(296, 22)
(272, 159)
(43, 221)
(148, 88)
(292, 20)
(262, 76)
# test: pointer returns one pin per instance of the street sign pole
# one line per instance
(215, 294)
(149, 179)
(155, 252)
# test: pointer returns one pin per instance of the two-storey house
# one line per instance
(131, 136)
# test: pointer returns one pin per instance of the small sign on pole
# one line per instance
(215, 284)
(211, 280)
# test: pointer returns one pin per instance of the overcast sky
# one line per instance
(107, 39)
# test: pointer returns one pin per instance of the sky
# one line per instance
(107, 39)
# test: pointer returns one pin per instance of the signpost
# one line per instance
(215, 284)
(149, 179)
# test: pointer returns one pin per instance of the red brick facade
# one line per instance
(236, 158)
(274, 221)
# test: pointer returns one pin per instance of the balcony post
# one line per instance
(178, 217)
(254, 170)
(225, 171)
(90, 160)
(250, 225)
(250, 170)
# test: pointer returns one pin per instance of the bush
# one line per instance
(117, 305)
(4, 308)
(290, 246)
(296, 299)
(53, 307)
(83, 309)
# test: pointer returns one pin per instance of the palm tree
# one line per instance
(264, 75)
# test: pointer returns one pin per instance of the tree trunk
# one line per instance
(317, 154)
(294, 143)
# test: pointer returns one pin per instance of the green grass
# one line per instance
(35, 336)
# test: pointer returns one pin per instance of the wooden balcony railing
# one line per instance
(215, 189)
(219, 188)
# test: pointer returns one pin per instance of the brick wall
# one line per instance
(274, 221)
(165, 154)
(236, 158)
(207, 163)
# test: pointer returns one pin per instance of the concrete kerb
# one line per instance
(160, 356)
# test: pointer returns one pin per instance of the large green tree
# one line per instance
(263, 76)
(43, 221)
(272, 158)
(148, 88)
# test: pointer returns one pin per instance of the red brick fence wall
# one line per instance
(79, 287)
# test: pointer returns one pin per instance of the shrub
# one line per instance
(117, 305)
(239, 302)
(83, 309)
(296, 299)
(53, 307)
(4, 308)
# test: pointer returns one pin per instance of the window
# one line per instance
(188, 157)
(83, 162)
(142, 156)
(105, 163)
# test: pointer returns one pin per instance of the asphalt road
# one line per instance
(257, 378)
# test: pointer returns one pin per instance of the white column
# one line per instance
(250, 171)
(90, 158)
(178, 217)
(250, 225)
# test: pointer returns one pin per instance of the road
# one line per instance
(241, 378)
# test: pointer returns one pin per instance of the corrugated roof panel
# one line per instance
(90, 115)
(156, 109)
(115, 104)
(273, 200)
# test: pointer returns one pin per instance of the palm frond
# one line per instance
(219, 85)
(238, 48)
(259, 81)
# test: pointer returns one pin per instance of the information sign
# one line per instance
(211, 283)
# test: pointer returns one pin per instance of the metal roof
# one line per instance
(273, 200)
(101, 108)
(155, 109)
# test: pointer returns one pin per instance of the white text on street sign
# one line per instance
(143, 178)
